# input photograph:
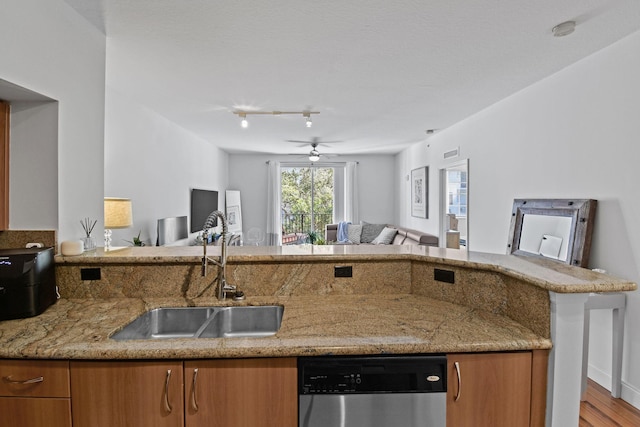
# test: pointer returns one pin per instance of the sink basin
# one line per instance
(253, 321)
(203, 322)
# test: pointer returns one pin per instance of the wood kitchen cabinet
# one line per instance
(241, 393)
(127, 393)
(5, 123)
(220, 392)
(496, 389)
(34, 393)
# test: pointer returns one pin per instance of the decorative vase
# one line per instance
(89, 243)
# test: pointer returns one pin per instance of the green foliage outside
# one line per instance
(296, 199)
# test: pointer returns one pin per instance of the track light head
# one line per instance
(244, 123)
(307, 120)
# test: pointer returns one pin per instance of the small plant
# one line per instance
(320, 241)
(136, 240)
(312, 236)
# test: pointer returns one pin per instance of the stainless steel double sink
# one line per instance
(203, 322)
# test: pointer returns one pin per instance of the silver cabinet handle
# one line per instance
(25, 382)
(457, 366)
(194, 397)
(167, 405)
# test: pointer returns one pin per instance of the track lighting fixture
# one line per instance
(244, 123)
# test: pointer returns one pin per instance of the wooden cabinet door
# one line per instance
(5, 120)
(489, 389)
(127, 394)
(241, 393)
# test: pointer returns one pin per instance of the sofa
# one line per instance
(404, 236)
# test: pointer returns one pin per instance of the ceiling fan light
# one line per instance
(314, 156)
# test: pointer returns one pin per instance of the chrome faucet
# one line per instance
(224, 288)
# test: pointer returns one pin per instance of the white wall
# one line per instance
(155, 163)
(572, 135)
(376, 174)
(48, 48)
(418, 155)
(33, 166)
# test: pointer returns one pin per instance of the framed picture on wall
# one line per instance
(234, 211)
(420, 192)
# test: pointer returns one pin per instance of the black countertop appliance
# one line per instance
(27, 282)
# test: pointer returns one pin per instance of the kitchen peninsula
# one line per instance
(398, 300)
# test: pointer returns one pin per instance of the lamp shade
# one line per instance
(118, 213)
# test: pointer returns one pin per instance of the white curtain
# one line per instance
(351, 193)
(274, 222)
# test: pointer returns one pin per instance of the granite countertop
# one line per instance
(544, 273)
(315, 324)
(311, 325)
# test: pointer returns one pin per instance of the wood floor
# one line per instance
(602, 410)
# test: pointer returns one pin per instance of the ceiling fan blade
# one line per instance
(314, 140)
(299, 143)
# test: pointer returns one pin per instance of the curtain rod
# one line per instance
(313, 164)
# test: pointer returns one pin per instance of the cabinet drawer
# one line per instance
(34, 378)
(29, 412)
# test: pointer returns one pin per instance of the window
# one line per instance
(457, 193)
(307, 201)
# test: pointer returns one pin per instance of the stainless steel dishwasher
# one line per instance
(372, 391)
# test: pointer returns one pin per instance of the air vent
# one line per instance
(452, 153)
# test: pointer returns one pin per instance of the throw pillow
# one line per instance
(370, 232)
(353, 233)
(385, 237)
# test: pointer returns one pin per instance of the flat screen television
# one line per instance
(203, 202)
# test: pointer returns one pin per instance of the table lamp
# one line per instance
(118, 213)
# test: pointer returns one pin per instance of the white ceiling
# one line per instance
(380, 72)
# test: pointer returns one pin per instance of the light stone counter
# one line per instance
(311, 325)
(541, 272)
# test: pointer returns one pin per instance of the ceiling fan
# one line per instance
(314, 154)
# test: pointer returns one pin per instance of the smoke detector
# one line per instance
(564, 29)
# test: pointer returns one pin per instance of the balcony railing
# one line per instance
(296, 226)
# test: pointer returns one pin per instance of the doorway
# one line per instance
(307, 202)
(454, 205)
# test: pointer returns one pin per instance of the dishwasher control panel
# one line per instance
(333, 383)
(372, 374)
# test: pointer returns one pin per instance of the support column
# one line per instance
(565, 359)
